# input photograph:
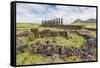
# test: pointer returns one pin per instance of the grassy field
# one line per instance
(51, 29)
(85, 24)
(26, 25)
(73, 40)
(28, 57)
(72, 59)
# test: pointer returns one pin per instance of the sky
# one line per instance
(35, 13)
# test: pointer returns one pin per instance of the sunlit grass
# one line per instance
(85, 24)
(72, 59)
(24, 40)
(73, 40)
(26, 25)
(51, 29)
(27, 58)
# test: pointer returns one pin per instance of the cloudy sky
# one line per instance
(35, 13)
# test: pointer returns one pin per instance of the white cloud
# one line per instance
(36, 12)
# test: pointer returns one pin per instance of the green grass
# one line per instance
(26, 25)
(85, 24)
(94, 54)
(72, 59)
(51, 29)
(24, 40)
(27, 58)
(73, 40)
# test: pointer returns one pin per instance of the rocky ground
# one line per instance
(29, 50)
(54, 53)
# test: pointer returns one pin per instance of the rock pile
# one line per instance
(84, 52)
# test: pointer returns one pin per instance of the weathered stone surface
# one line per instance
(45, 33)
(22, 48)
(85, 52)
(25, 34)
(35, 31)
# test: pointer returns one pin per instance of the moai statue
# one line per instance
(42, 22)
(57, 22)
(54, 22)
(61, 21)
(48, 23)
(45, 23)
(51, 23)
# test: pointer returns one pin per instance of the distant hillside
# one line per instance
(92, 20)
(89, 22)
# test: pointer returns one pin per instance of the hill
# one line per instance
(91, 20)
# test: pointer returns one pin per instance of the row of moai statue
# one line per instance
(52, 23)
(58, 22)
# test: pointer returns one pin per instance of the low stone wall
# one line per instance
(84, 52)
(44, 33)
